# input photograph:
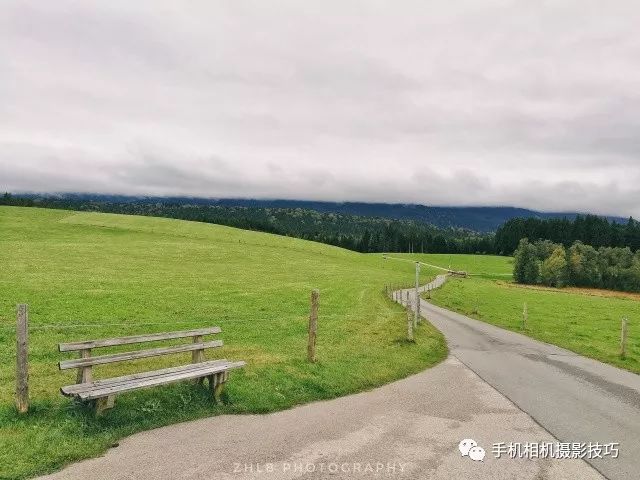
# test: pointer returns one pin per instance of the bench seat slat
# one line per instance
(107, 382)
(152, 337)
(136, 384)
(124, 356)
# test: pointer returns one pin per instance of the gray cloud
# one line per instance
(532, 104)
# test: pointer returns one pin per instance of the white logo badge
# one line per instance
(466, 445)
(469, 448)
(476, 454)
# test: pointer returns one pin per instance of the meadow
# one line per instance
(483, 266)
(92, 275)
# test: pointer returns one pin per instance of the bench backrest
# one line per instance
(86, 361)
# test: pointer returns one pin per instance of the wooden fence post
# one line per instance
(417, 315)
(313, 326)
(623, 338)
(410, 320)
(525, 316)
(22, 360)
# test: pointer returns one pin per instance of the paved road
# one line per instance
(573, 397)
(408, 429)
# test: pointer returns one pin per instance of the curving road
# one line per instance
(575, 398)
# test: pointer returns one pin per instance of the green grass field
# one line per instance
(89, 275)
(586, 324)
(484, 266)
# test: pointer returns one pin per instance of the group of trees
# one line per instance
(359, 233)
(552, 264)
(588, 229)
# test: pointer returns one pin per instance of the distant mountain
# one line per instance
(479, 219)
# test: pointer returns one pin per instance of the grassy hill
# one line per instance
(89, 275)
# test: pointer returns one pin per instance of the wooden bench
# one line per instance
(102, 393)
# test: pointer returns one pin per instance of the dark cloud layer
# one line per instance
(532, 104)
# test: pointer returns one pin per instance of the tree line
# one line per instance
(552, 264)
(358, 233)
(588, 229)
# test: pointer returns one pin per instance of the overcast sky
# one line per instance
(493, 102)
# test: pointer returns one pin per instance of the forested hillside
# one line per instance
(478, 219)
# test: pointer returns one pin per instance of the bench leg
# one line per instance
(103, 404)
(216, 385)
